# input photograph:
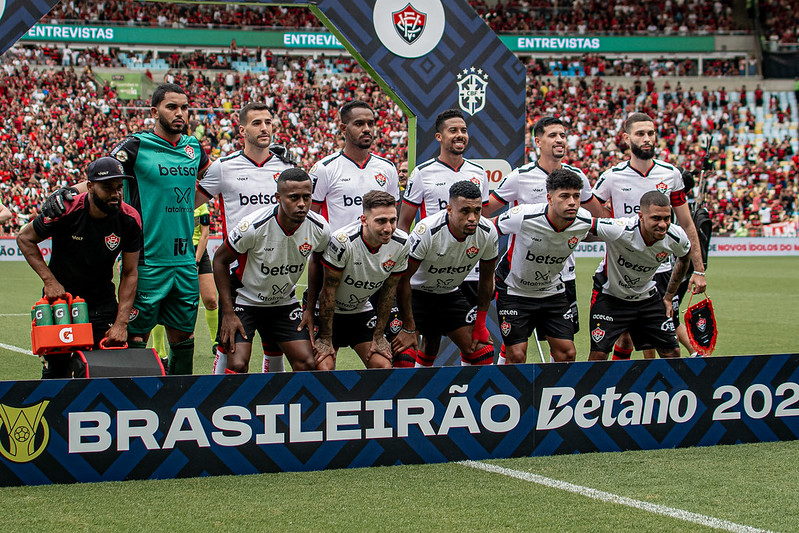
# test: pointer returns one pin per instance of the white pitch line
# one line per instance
(14, 314)
(15, 349)
(595, 494)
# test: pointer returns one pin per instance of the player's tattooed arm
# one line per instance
(331, 279)
(223, 258)
(407, 337)
(677, 276)
(683, 214)
(385, 302)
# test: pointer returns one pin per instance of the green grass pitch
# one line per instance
(754, 485)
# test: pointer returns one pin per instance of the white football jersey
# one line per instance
(630, 263)
(444, 260)
(624, 186)
(340, 183)
(429, 183)
(275, 259)
(363, 269)
(528, 185)
(537, 251)
(243, 185)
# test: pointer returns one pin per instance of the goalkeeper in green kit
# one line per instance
(165, 165)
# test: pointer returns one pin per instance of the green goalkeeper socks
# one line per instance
(181, 357)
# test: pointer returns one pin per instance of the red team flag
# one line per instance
(700, 321)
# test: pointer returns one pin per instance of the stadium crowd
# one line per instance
(66, 117)
(779, 21)
(577, 16)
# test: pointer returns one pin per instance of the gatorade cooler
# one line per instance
(113, 362)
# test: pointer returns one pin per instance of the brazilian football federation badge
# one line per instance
(700, 321)
(472, 85)
(409, 23)
(24, 432)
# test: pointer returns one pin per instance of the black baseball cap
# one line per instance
(105, 168)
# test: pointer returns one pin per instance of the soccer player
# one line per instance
(244, 182)
(445, 247)
(428, 186)
(361, 259)
(163, 164)
(341, 179)
(277, 242)
(531, 292)
(625, 297)
(527, 185)
(87, 239)
(623, 185)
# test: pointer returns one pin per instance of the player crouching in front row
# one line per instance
(277, 242)
(445, 247)
(361, 259)
(625, 296)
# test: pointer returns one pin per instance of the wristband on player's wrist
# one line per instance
(699, 273)
(408, 331)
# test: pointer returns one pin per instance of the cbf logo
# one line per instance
(472, 86)
(409, 23)
(24, 432)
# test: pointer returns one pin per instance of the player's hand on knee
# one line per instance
(405, 339)
(227, 332)
(56, 204)
(380, 347)
(307, 322)
(323, 349)
(668, 302)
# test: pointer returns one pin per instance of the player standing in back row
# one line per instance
(341, 179)
(625, 184)
(246, 181)
(528, 185)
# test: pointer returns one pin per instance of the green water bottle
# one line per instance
(42, 314)
(79, 311)
(60, 312)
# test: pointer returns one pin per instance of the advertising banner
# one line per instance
(66, 431)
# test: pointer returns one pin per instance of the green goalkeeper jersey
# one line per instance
(163, 193)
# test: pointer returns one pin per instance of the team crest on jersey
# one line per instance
(409, 23)
(472, 252)
(505, 328)
(388, 265)
(244, 225)
(111, 242)
(342, 237)
(122, 156)
(305, 249)
(276, 176)
(474, 180)
(661, 257)
(701, 324)
(189, 151)
(420, 228)
(472, 85)
(573, 242)
(134, 313)
(381, 179)
(395, 326)
(662, 187)
(598, 334)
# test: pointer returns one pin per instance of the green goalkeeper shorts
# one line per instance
(166, 295)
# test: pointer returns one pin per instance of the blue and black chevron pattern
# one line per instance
(18, 17)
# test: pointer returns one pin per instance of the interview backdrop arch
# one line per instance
(428, 55)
